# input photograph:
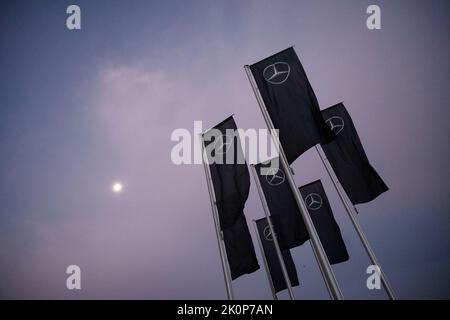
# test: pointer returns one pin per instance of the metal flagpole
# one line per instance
(272, 231)
(352, 215)
(266, 266)
(322, 260)
(219, 233)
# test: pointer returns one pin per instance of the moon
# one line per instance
(117, 187)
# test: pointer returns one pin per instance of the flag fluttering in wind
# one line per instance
(230, 177)
(231, 183)
(290, 102)
(322, 216)
(273, 264)
(291, 231)
(239, 247)
(347, 157)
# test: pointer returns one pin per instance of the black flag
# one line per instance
(231, 183)
(291, 102)
(276, 273)
(240, 251)
(282, 206)
(328, 230)
(231, 179)
(347, 157)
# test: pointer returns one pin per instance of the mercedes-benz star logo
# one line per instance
(267, 234)
(223, 144)
(275, 177)
(313, 201)
(277, 72)
(336, 124)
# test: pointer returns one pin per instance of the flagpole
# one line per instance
(272, 231)
(352, 215)
(219, 233)
(266, 266)
(322, 260)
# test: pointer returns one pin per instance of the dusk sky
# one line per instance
(82, 109)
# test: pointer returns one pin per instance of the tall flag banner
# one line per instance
(290, 102)
(347, 157)
(282, 206)
(276, 273)
(231, 184)
(328, 230)
(231, 180)
(239, 247)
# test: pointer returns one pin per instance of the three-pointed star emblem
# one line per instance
(267, 234)
(275, 176)
(313, 201)
(222, 144)
(336, 124)
(277, 72)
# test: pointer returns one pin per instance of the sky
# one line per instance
(82, 109)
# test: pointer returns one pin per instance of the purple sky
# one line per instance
(81, 109)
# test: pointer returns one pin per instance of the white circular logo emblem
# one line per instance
(222, 144)
(267, 234)
(336, 124)
(277, 72)
(275, 177)
(313, 201)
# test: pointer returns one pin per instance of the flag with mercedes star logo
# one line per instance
(347, 157)
(231, 184)
(275, 271)
(231, 179)
(282, 206)
(327, 229)
(290, 102)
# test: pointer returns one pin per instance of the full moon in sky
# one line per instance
(117, 187)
